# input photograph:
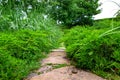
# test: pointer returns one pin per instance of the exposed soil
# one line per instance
(57, 67)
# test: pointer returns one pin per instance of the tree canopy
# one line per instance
(67, 12)
(74, 12)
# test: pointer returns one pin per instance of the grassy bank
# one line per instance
(95, 48)
(24, 42)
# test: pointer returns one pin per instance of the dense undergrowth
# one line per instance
(24, 43)
(25, 38)
(95, 48)
(27, 34)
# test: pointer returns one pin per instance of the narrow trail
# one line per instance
(57, 67)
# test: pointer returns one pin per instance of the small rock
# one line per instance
(74, 71)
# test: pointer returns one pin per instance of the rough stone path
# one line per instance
(57, 67)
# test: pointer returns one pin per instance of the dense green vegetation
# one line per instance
(95, 48)
(25, 38)
(20, 51)
(28, 31)
(74, 12)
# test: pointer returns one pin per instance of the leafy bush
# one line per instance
(106, 23)
(20, 51)
(94, 49)
(24, 35)
(10, 67)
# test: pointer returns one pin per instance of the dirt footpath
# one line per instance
(57, 67)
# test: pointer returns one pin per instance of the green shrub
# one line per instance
(24, 37)
(106, 23)
(10, 67)
(21, 50)
(94, 49)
